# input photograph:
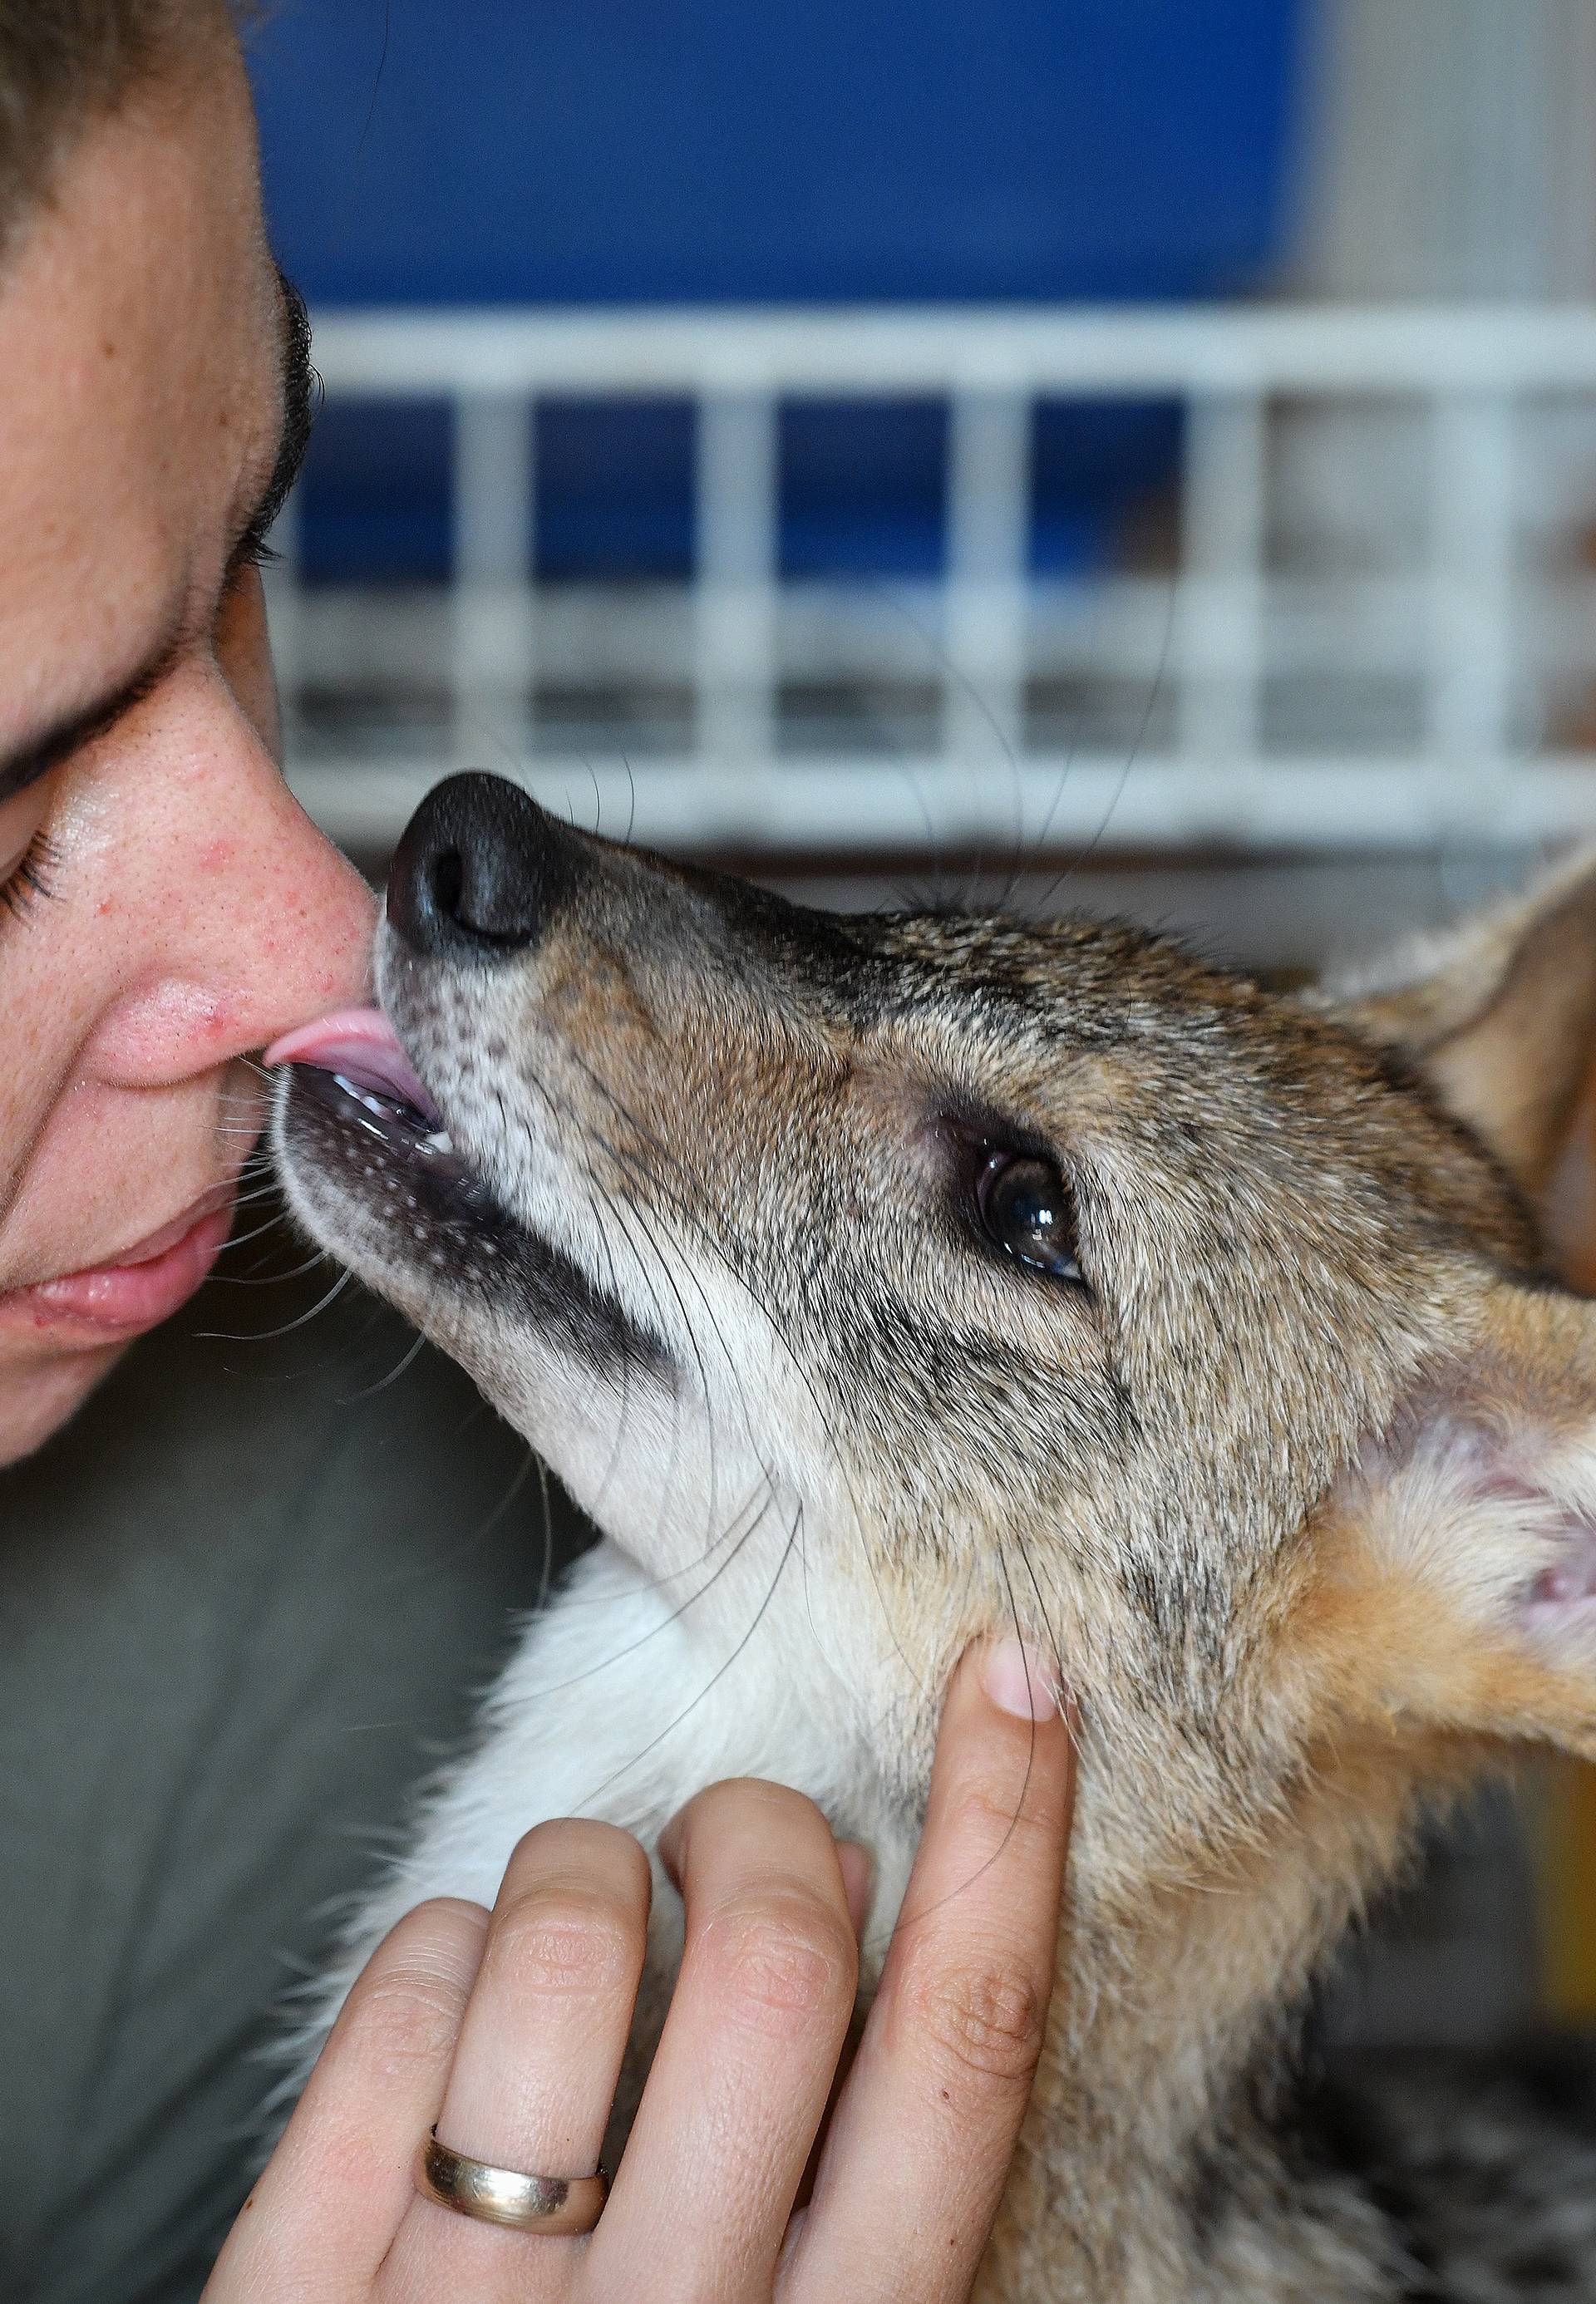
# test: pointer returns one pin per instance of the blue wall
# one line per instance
(602, 150)
(666, 150)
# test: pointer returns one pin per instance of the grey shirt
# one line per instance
(242, 1614)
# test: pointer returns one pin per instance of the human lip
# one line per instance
(136, 1290)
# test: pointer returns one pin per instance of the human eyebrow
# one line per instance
(301, 391)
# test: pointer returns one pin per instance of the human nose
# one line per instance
(239, 918)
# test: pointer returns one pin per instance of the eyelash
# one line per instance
(30, 877)
(253, 552)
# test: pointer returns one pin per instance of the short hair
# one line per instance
(65, 63)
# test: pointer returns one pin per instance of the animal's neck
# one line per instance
(1161, 2157)
(1164, 2155)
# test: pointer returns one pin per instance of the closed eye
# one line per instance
(29, 878)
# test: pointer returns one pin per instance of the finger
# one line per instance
(538, 2055)
(745, 2064)
(338, 2185)
(918, 2154)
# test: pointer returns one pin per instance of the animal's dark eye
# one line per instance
(1025, 1210)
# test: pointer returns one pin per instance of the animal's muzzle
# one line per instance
(480, 872)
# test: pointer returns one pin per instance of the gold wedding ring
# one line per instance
(548, 2205)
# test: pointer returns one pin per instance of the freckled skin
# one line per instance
(139, 330)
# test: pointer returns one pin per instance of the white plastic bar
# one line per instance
(988, 536)
(1471, 551)
(735, 603)
(491, 598)
(1221, 612)
(1467, 625)
(1114, 625)
(866, 805)
(1163, 351)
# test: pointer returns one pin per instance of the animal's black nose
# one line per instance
(478, 871)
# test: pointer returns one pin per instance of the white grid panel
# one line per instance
(1489, 604)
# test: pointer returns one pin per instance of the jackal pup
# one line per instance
(879, 1281)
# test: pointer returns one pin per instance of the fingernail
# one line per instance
(1018, 1682)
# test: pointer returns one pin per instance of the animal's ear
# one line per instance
(1500, 1018)
(1454, 1568)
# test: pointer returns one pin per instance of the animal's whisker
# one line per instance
(607, 1664)
(590, 1185)
(910, 1919)
(267, 1279)
(714, 1680)
(278, 1223)
(270, 1335)
(370, 1391)
(1155, 687)
(668, 1576)
(971, 691)
(560, 1108)
(701, 1232)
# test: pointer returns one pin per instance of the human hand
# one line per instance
(507, 2030)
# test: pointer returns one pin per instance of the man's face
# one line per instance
(166, 907)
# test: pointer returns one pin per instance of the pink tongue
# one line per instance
(362, 1045)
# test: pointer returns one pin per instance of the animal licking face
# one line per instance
(877, 1281)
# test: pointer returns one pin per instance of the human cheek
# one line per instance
(48, 1019)
(45, 999)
